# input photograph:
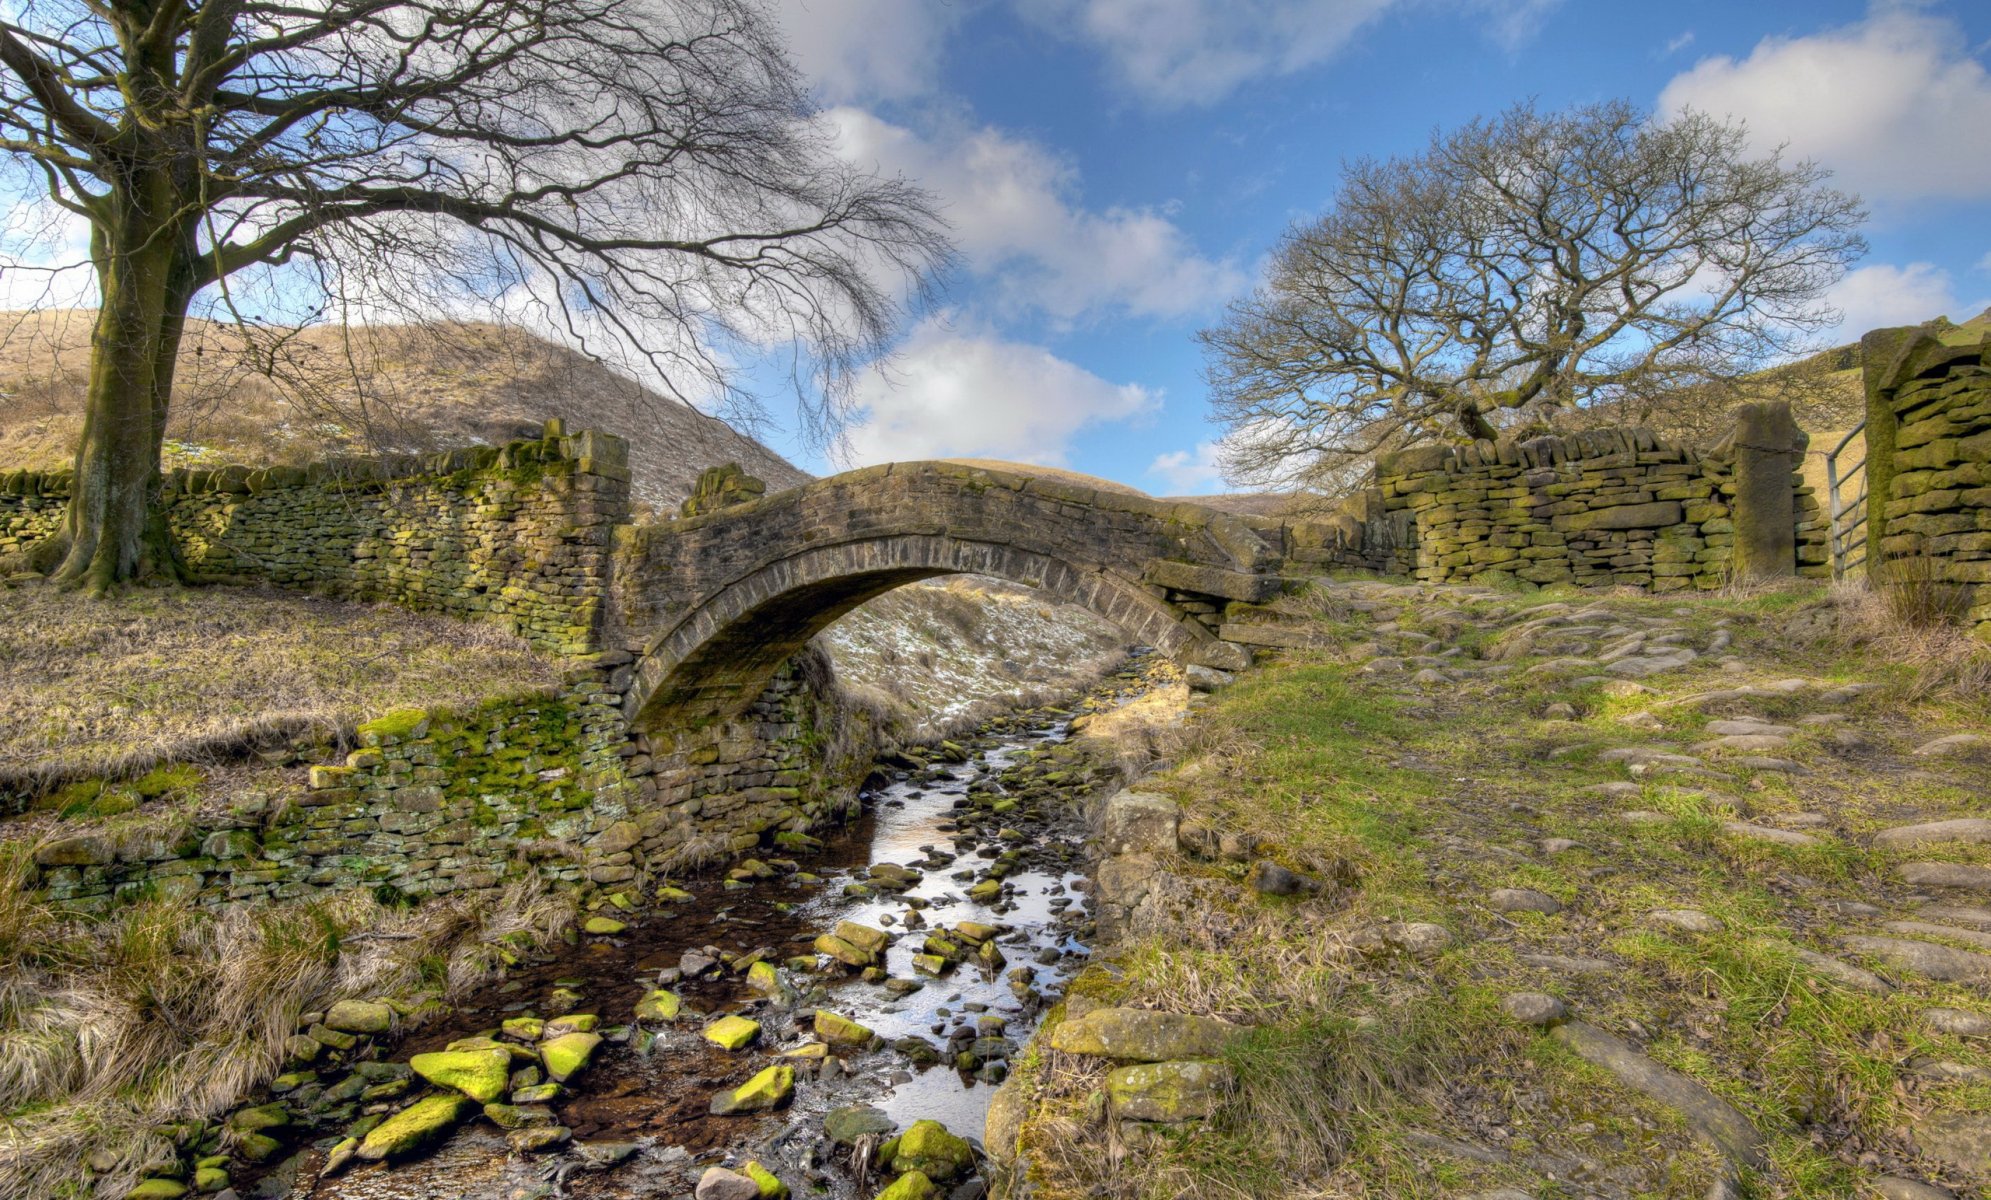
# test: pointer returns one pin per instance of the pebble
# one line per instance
(1962, 829)
(720, 1184)
(1895, 1187)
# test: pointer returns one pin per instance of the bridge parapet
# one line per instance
(712, 604)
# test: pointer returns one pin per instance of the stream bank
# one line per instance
(875, 983)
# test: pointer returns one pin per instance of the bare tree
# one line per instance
(638, 171)
(1531, 262)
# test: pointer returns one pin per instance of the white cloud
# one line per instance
(1984, 264)
(954, 394)
(1884, 295)
(1894, 104)
(1180, 52)
(1174, 53)
(1677, 44)
(1010, 203)
(1189, 472)
(869, 49)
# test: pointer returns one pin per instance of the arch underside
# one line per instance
(713, 663)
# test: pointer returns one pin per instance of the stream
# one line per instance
(978, 809)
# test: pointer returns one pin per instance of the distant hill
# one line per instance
(383, 388)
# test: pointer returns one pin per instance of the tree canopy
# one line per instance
(638, 171)
(1524, 264)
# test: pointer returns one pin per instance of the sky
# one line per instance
(1116, 171)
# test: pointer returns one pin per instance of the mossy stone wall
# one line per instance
(1607, 507)
(516, 534)
(1931, 489)
(549, 786)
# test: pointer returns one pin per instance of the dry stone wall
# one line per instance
(1601, 508)
(549, 786)
(516, 534)
(1929, 417)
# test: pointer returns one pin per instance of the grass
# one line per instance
(1434, 797)
(111, 1031)
(92, 688)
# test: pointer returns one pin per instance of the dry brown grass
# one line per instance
(1909, 620)
(112, 687)
(163, 1013)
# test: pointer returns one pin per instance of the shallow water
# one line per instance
(651, 1101)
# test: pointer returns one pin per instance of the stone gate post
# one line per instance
(1768, 447)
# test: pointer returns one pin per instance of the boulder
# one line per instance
(928, 1149)
(360, 1016)
(1142, 1036)
(415, 1127)
(1139, 823)
(481, 1075)
(1168, 1091)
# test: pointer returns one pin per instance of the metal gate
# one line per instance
(1846, 500)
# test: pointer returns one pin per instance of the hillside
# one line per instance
(378, 388)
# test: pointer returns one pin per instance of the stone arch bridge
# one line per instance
(718, 602)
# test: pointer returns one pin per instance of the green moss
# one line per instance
(397, 725)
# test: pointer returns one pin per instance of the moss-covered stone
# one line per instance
(414, 1128)
(770, 1089)
(360, 1016)
(569, 1054)
(1168, 1091)
(910, 1186)
(842, 1032)
(929, 1149)
(659, 1005)
(771, 1187)
(482, 1075)
(732, 1032)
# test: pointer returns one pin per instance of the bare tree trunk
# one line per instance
(109, 527)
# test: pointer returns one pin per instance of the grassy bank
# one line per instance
(1384, 1064)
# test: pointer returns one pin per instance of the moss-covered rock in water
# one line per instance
(394, 727)
(770, 1089)
(360, 1016)
(158, 1189)
(415, 1127)
(732, 1032)
(763, 978)
(523, 1029)
(481, 1075)
(568, 1055)
(1141, 1036)
(843, 951)
(571, 1023)
(864, 937)
(842, 1031)
(660, 1005)
(928, 1149)
(910, 1186)
(603, 926)
(1168, 1091)
(210, 1179)
(771, 1187)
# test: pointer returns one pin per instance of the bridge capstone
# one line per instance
(712, 605)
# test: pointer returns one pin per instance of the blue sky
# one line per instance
(1116, 170)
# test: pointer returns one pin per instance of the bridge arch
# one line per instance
(749, 586)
